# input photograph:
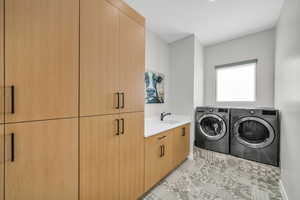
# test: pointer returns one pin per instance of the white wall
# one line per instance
(259, 46)
(186, 78)
(158, 59)
(287, 95)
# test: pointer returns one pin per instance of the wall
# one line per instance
(186, 78)
(158, 59)
(287, 94)
(259, 46)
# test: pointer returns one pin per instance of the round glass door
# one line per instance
(212, 126)
(254, 132)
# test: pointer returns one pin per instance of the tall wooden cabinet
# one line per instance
(112, 54)
(41, 59)
(41, 160)
(1, 63)
(71, 100)
(99, 58)
(2, 163)
(112, 157)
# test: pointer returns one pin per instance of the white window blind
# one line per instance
(236, 82)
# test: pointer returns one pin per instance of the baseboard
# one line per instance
(191, 156)
(283, 191)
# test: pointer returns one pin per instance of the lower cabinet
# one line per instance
(164, 152)
(41, 160)
(112, 157)
(1, 162)
(181, 144)
(158, 158)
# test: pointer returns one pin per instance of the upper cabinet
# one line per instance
(99, 58)
(41, 59)
(112, 58)
(132, 64)
(1, 61)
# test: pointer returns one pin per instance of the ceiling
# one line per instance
(211, 22)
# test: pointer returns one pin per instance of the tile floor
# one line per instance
(214, 176)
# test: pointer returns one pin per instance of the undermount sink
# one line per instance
(170, 121)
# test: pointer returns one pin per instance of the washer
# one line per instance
(212, 129)
(255, 135)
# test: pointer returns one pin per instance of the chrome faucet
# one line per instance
(163, 115)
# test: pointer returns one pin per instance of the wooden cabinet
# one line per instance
(132, 156)
(42, 160)
(112, 54)
(132, 63)
(181, 144)
(2, 162)
(112, 157)
(158, 158)
(99, 158)
(41, 58)
(99, 58)
(1, 62)
(164, 152)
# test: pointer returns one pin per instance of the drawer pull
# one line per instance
(161, 151)
(162, 137)
(12, 147)
(118, 126)
(12, 99)
(123, 126)
(118, 100)
(123, 100)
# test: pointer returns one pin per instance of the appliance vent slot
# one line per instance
(223, 110)
(269, 112)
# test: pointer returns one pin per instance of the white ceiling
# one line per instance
(211, 22)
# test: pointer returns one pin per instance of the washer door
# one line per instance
(212, 126)
(254, 132)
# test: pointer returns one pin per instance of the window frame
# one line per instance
(245, 62)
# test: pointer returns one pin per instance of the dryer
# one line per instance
(212, 129)
(255, 135)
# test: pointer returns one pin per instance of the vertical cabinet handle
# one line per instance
(123, 100)
(123, 126)
(183, 131)
(161, 151)
(12, 147)
(118, 126)
(12, 99)
(118, 100)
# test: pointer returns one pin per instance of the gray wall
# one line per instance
(259, 46)
(158, 59)
(186, 78)
(287, 94)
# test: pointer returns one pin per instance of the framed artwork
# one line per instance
(154, 87)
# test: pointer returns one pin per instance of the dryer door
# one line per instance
(212, 126)
(254, 132)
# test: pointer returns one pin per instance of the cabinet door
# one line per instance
(41, 49)
(42, 160)
(132, 63)
(181, 144)
(132, 160)
(1, 61)
(99, 158)
(158, 158)
(99, 55)
(1, 161)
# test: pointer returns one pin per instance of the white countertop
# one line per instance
(154, 126)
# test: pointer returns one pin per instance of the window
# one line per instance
(236, 82)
